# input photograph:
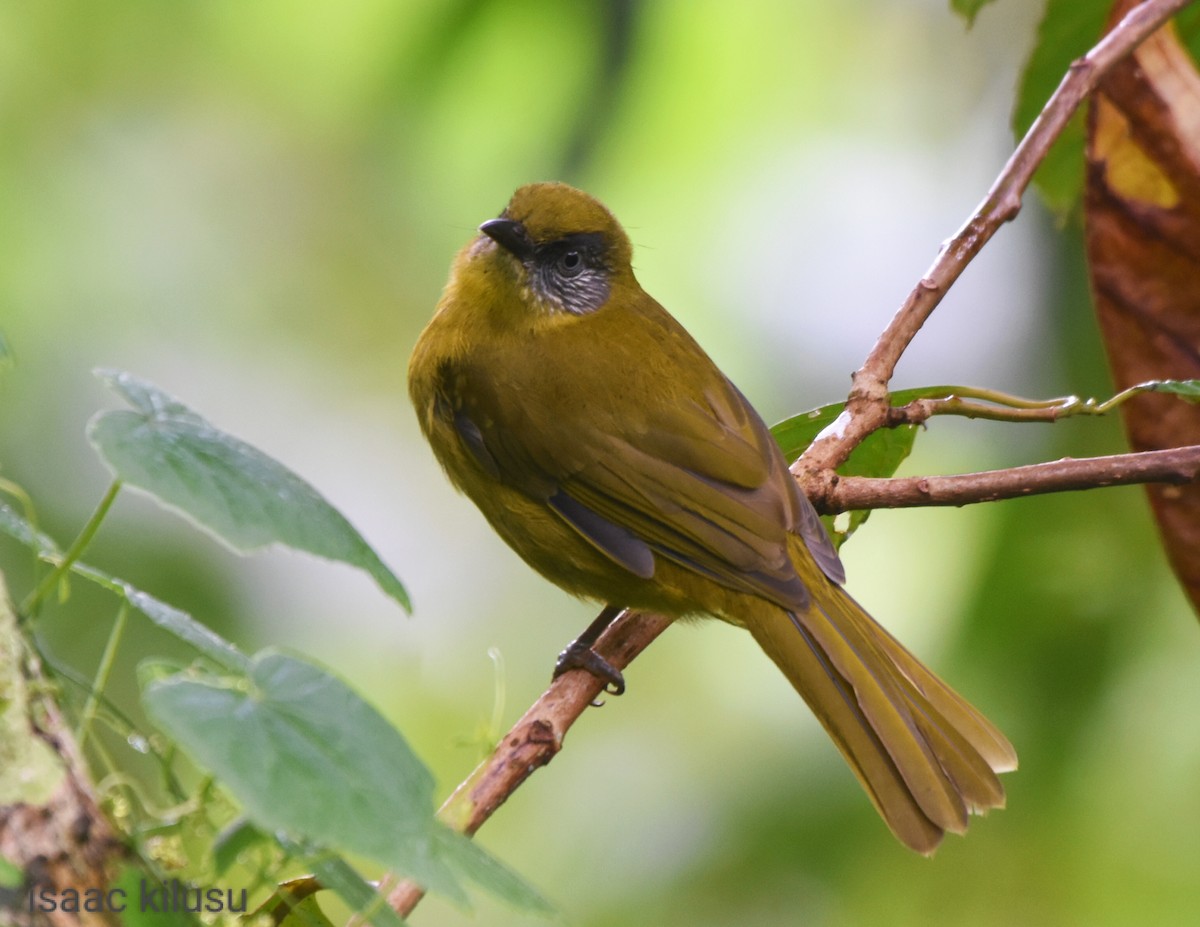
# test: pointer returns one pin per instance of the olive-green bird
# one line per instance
(609, 451)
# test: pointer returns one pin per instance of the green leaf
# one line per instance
(171, 619)
(139, 913)
(167, 617)
(307, 757)
(341, 877)
(235, 838)
(879, 455)
(1187, 24)
(795, 434)
(488, 873)
(1186, 389)
(1069, 28)
(338, 773)
(11, 876)
(309, 914)
(291, 895)
(233, 490)
(968, 9)
(18, 527)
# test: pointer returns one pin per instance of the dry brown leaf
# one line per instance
(1142, 213)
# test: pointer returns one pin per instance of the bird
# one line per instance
(608, 450)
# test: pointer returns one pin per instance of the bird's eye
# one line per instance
(569, 264)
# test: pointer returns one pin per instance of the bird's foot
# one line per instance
(581, 656)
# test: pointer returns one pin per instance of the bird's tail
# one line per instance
(924, 755)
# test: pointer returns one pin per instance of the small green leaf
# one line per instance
(290, 896)
(341, 877)
(233, 490)
(795, 434)
(235, 838)
(305, 755)
(1186, 389)
(308, 914)
(18, 527)
(167, 617)
(136, 887)
(336, 764)
(1067, 30)
(488, 873)
(153, 669)
(11, 877)
(879, 455)
(968, 9)
(171, 619)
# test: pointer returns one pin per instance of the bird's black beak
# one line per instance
(510, 235)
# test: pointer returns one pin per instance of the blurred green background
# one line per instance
(254, 205)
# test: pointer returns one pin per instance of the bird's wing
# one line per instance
(697, 479)
(701, 491)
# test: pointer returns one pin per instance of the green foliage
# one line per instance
(338, 775)
(10, 876)
(304, 757)
(1068, 29)
(341, 878)
(968, 9)
(879, 455)
(170, 619)
(241, 495)
(136, 915)
(237, 837)
(1186, 389)
(309, 914)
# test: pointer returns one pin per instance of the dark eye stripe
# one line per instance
(589, 246)
(572, 272)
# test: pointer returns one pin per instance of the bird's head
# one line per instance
(560, 250)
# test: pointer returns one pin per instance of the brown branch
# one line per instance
(919, 411)
(867, 407)
(1178, 466)
(534, 740)
(52, 828)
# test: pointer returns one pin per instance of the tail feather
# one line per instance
(887, 708)
(924, 755)
(978, 730)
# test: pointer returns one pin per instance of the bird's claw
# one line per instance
(580, 656)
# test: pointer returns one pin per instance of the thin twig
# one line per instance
(535, 739)
(920, 411)
(34, 600)
(975, 402)
(1177, 466)
(867, 408)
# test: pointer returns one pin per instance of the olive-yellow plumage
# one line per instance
(601, 442)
